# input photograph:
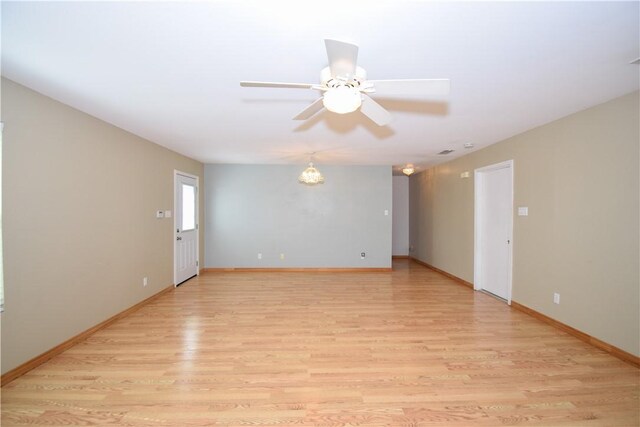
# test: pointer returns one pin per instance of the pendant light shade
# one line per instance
(311, 176)
(408, 170)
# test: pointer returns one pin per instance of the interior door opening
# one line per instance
(494, 230)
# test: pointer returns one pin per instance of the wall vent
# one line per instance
(445, 152)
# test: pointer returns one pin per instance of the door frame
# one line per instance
(175, 222)
(477, 255)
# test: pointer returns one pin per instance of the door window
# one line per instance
(188, 207)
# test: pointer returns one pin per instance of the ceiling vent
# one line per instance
(445, 152)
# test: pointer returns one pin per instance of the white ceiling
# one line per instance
(170, 71)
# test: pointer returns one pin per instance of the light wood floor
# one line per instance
(409, 348)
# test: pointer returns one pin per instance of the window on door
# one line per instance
(188, 207)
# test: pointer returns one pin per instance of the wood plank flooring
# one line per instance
(408, 348)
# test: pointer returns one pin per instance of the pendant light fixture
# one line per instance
(311, 175)
(408, 170)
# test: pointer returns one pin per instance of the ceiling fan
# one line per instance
(345, 87)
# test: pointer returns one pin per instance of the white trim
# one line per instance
(477, 261)
(501, 165)
(175, 219)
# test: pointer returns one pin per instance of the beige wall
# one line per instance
(80, 232)
(579, 176)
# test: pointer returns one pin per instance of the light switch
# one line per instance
(464, 174)
(167, 214)
(523, 211)
(386, 212)
(160, 214)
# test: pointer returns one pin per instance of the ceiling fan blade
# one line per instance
(278, 84)
(374, 111)
(424, 87)
(343, 58)
(310, 110)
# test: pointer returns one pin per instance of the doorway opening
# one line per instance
(493, 240)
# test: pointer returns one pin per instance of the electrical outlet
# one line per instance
(281, 256)
(556, 298)
(259, 255)
(362, 255)
(145, 281)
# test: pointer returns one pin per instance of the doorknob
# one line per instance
(178, 238)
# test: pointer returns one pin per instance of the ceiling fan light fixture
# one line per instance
(342, 99)
(408, 170)
(311, 176)
(346, 88)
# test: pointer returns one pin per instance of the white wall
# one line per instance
(253, 209)
(400, 240)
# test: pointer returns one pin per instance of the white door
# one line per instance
(186, 226)
(494, 225)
